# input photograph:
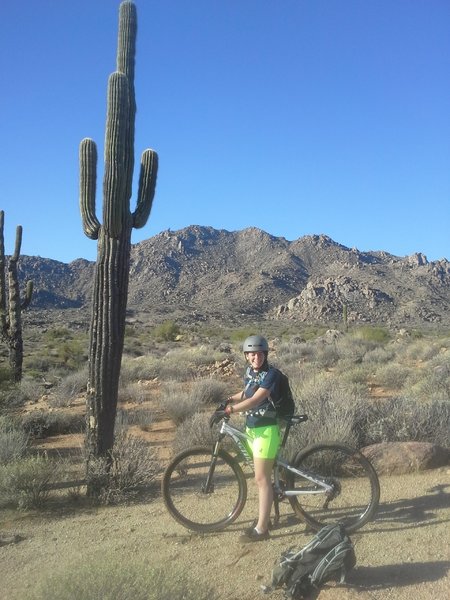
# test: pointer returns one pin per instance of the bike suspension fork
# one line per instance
(208, 487)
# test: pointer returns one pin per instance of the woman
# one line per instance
(261, 386)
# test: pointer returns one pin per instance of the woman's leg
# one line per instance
(263, 478)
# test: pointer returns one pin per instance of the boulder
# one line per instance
(391, 458)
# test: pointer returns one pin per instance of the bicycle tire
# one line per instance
(184, 496)
(355, 481)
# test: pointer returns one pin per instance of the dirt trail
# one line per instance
(404, 554)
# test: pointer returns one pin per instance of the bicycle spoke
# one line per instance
(355, 490)
(188, 500)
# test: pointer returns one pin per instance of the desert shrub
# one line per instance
(379, 355)
(177, 366)
(429, 384)
(355, 374)
(13, 441)
(237, 336)
(132, 392)
(167, 331)
(134, 465)
(15, 395)
(25, 483)
(353, 349)
(112, 578)
(420, 350)
(57, 333)
(332, 408)
(369, 333)
(194, 431)
(178, 402)
(326, 355)
(392, 375)
(144, 368)
(69, 388)
(40, 423)
(290, 352)
(401, 419)
(209, 391)
(141, 417)
(182, 364)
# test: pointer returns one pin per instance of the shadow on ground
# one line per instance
(389, 576)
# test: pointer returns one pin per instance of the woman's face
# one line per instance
(256, 359)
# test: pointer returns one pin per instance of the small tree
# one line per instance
(11, 309)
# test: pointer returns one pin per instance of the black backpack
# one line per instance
(328, 556)
(284, 405)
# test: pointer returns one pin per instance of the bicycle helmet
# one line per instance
(255, 343)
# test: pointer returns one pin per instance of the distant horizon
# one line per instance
(169, 229)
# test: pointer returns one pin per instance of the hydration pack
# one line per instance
(285, 405)
(328, 556)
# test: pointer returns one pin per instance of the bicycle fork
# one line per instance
(208, 486)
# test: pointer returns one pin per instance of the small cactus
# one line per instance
(113, 235)
(11, 309)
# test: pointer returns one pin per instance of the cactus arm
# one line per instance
(147, 184)
(88, 184)
(115, 204)
(28, 295)
(18, 244)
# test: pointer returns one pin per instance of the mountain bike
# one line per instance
(205, 489)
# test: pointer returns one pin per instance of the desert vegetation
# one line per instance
(363, 386)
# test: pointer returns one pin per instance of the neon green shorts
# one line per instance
(265, 440)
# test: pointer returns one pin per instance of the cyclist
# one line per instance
(261, 385)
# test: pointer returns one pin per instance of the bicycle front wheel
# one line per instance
(201, 494)
(355, 493)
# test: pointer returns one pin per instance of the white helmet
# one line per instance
(255, 343)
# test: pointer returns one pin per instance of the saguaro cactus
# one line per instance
(11, 309)
(114, 236)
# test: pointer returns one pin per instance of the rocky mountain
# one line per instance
(200, 273)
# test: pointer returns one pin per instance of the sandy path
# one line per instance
(403, 555)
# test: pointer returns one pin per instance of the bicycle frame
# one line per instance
(240, 438)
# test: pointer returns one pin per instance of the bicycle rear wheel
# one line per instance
(356, 489)
(187, 499)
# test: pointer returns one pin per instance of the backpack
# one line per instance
(329, 555)
(284, 405)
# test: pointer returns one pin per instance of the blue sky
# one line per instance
(295, 116)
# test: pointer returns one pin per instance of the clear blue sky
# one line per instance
(295, 116)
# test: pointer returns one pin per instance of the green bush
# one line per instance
(132, 370)
(379, 335)
(209, 391)
(13, 441)
(112, 578)
(392, 375)
(178, 402)
(400, 420)
(41, 424)
(332, 408)
(167, 331)
(25, 483)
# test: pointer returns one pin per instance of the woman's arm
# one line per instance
(247, 403)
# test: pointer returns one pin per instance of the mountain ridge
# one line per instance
(200, 274)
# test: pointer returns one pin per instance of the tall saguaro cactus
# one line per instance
(114, 236)
(11, 309)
